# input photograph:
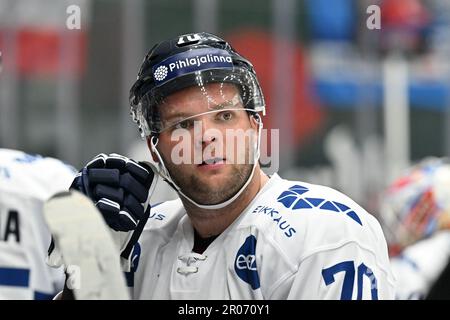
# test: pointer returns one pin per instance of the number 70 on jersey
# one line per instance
(348, 268)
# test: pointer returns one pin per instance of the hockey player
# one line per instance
(415, 212)
(26, 181)
(234, 233)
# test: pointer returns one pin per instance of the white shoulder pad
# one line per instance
(36, 176)
(304, 218)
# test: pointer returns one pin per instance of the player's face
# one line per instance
(208, 141)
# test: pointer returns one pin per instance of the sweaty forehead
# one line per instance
(195, 100)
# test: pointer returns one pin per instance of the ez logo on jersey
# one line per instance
(245, 263)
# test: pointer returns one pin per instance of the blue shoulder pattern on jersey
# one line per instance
(294, 198)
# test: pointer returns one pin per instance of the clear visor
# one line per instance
(221, 111)
(181, 101)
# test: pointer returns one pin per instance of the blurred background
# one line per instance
(355, 105)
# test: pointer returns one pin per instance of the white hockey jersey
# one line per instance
(420, 265)
(26, 181)
(294, 241)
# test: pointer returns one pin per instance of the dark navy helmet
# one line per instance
(189, 60)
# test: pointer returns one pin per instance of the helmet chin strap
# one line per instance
(164, 173)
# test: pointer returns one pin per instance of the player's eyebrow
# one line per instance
(183, 115)
(178, 115)
(225, 104)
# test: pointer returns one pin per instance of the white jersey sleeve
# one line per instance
(340, 273)
(340, 252)
(26, 181)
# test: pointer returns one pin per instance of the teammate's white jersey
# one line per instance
(294, 241)
(420, 265)
(26, 181)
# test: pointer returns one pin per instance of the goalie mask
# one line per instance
(417, 205)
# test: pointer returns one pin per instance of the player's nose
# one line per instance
(209, 132)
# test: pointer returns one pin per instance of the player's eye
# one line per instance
(186, 124)
(226, 115)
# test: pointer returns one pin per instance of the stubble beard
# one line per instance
(213, 191)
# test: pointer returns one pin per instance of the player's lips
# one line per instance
(212, 163)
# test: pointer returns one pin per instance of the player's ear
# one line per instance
(254, 121)
(149, 145)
